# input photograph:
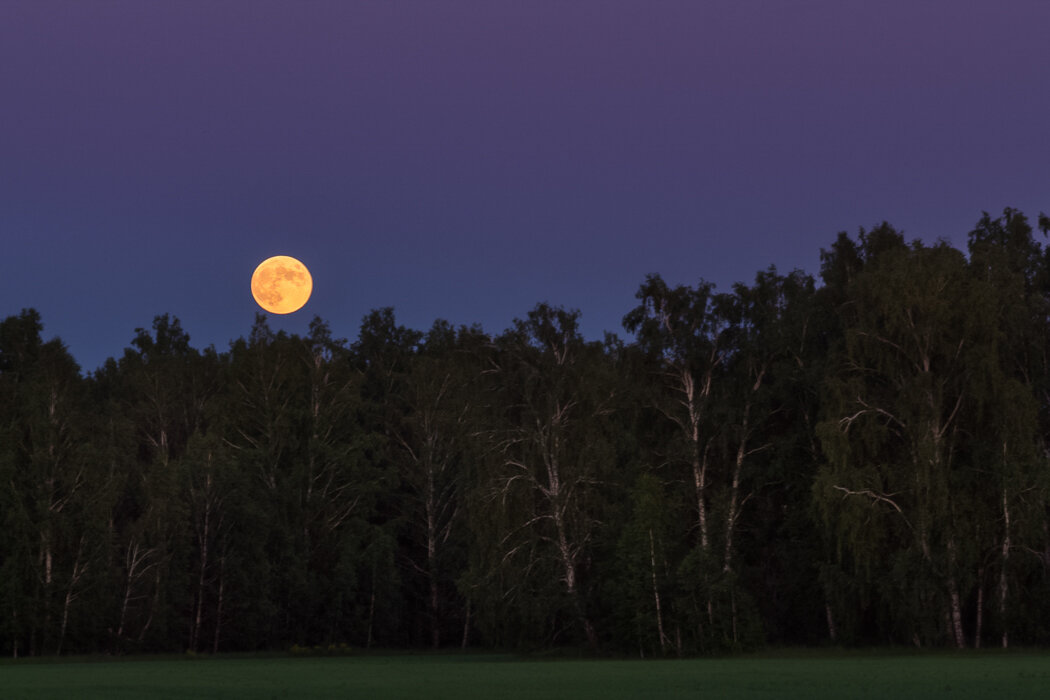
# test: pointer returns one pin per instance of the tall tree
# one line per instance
(1013, 266)
(157, 395)
(893, 435)
(684, 331)
(688, 335)
(298, 431)
(56, 494)
(765, 372)
(432, 442)
(551, 456)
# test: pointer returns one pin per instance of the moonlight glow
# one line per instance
(281, 284)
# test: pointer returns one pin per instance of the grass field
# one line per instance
(476, 677)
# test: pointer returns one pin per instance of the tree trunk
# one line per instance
(130, 559)
(46, 556)
(734, 490)
(134, 560)
(124, 607)
(979, 614)
(956, 614)
(371, 610)
(154, 602)
(569, 563)
(71, 594)
(435, 626)
(218, 605)
(699, 458)
(569, 566)
(432, 535)
(732, 603)
(65, 620)
(466, 626)
(1003, 583)
(656, 595)
(203, 536)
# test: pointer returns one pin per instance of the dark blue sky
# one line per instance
(466, 160)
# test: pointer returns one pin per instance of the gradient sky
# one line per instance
(466, 160)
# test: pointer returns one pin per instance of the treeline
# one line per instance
(859, 462)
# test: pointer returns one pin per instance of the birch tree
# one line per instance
(551, 456)
(1013, 266)
(688, 338)
(298, 433)
(685, 332)
(432, 444)
(894, 476)
(55, 493)
(157, 395)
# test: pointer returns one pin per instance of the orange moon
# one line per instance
(281, 284)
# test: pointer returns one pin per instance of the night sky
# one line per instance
(467, 160)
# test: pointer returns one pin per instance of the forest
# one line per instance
(859, 459)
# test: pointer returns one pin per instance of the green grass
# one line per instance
(476, 677)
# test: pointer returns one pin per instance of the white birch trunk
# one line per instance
(1003, 583)
(71, 593)
(466, 626)
(979, 614)
(699, 456)
(734, 491)
(656, 594)
(956, 614)
(218, 605)
(202, 539)
(432, 537)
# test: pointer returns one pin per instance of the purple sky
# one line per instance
(466, 160)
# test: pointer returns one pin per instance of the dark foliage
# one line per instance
(863, 461)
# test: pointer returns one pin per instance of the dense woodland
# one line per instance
(863, 459)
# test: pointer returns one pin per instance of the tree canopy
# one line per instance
(859, 459)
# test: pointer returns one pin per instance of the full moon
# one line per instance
(281, 284)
